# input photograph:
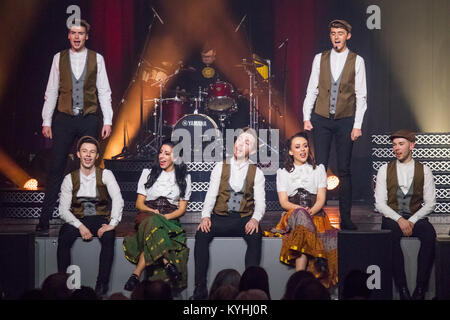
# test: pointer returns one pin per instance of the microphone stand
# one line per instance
(141, 80)
(141, 77)
(124, 152)
(285, 87)
(252, 106)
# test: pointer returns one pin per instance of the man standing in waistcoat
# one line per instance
(405, 195)
(91, 205)
(77, 82)
(334, 106)
(234, 205)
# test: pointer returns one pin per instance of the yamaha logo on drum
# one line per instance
(187, 123)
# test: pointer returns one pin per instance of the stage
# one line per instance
(84, 254)
(167, 67)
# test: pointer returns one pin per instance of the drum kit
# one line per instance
(210, 108)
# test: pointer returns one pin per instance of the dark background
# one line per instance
(406, 61)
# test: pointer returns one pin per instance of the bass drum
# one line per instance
(197, 131)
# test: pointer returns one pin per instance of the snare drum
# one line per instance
(174, 109)
(220, 97)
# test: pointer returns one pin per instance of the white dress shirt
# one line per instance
(405, 175)
(237, 178)
(303, 176)
(337, 62)
(165, 186)
(88, 188)
(77, 63)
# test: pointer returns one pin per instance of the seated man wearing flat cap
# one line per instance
(405, 195)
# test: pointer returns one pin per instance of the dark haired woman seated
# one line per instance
(160, 243)
(309, 240)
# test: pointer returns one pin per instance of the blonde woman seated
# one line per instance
(309, 240)
(160, 242)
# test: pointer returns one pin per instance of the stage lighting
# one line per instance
(332, 182)
(31, 184)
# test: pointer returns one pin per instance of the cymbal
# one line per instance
(150, 66)
(259, 62)
(177, 92)
(248, 65)
(167, 64)
(187, 69)
(159, 69)
(244, 64)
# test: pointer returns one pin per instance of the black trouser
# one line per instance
(66, 130)
(423, 230)
(324, 130)
(67, 236)
(231, 225)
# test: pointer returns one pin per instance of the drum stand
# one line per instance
(157, 140)
(253, 97)
(269, 84)
(199, 100)
(142, 147)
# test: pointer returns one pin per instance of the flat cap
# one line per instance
(340, 24)
(88, 139)
(404, 133)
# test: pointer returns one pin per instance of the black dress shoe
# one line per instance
(404, 293)
(101, 289)
(200, 293)
(419, 293)
(348, 225)
(132, 282)
(42, 229)
(321, 265)
(172, 272)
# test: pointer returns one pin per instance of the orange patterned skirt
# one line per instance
(313, 236)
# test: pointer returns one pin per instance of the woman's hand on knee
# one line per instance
(205, 225)
(103, 229)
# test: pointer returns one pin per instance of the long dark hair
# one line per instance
(180, 172)
(289, 160)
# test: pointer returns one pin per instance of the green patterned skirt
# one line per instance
(158, 237)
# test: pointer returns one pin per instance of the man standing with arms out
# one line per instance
(335, 103)
(77, 78)
(402, 186)
(234, 205)
(91, 205)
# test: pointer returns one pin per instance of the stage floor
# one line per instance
(363, 216)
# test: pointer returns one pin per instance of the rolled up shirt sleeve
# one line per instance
(51, 93)
(313, 88)
(188, 192)
(259, 195)
(104, 91)
(360, 92)
(116, 196)
(65, 202)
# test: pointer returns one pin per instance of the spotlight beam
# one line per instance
(12, 171)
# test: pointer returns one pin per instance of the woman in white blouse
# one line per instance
(160, 242)
(309, 240)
